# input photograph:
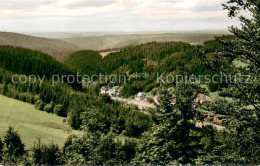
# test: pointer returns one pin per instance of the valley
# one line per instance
(92, 116)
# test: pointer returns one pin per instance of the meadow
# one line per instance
(32, 124)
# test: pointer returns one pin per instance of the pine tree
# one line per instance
(13, 143)
(13, 152)
(175, 139)
(244, 47)
(1, 149)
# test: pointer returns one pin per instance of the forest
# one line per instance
(115, 133)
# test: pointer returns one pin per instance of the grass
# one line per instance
(32, 124)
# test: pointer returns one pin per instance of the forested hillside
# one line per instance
(28, 62)
(56, 48)
(143, 63)
(120, 134)
(84, 61)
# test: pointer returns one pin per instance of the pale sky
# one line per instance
(112, 15)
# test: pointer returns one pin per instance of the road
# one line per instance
(218, 127)
(144, 105)
(139, 104)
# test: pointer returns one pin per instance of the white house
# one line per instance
(140, 96)
(113, 93)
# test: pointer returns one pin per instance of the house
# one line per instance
(150, 63)
(104, 89)
(140, 96)
(218, 119)
(209, 118)
(173, 101)
(113, 93)
(203, 98)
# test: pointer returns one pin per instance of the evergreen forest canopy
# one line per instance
(120, 134)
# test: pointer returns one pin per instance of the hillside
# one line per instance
(25, 61)
(117, 41)
(151, 59)
(56, 48)
(32, 124)
(84, 61)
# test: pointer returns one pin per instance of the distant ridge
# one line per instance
(56, 48)
(118, 41)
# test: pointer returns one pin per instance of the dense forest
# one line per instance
(84, 61)
(115, 133)
(148, 59)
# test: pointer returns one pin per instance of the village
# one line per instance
(144, 102)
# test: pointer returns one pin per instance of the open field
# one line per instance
(32, 124)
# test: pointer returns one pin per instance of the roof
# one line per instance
(112, 91)
(200, 96)
(173, 101)
(105, 87)
(140, 94)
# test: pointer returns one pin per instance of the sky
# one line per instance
(112, 15)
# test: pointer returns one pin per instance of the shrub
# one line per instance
(59, 110)
(39, 105)
(49, 107)
(46, 154)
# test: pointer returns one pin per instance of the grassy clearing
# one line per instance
(32, 124)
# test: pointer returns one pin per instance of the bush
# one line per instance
(49, 107)
(1, 149)
(59, 110)
(39, 105)
(46, 154)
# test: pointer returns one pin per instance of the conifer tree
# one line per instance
(242, 50)
(175, 139)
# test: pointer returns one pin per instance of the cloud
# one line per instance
(111, 22)
(22, 4)
(90, 3)
(149, 9)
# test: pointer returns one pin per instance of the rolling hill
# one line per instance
(56, 48)
(118, 41)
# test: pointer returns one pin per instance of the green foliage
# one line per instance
(1, 148)
(46, 154)
(39, 105)
(112, 151)
(240, 145)
(84, 61)
(28, 62)
(59, 110)
(49, 107)
(13, 143)
(81, 150)
(175, 139)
